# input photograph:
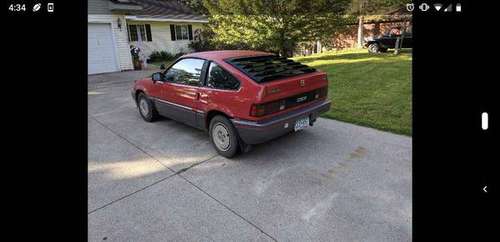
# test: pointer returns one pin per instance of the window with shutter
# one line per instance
(178, 32)
(172, 32)
(148, 33)
(132, 33)
(190, 32)
(140, 32)
(181, 32)
(184, 32)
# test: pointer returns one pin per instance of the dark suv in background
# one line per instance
(381, 44)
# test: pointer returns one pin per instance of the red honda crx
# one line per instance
(240, 97)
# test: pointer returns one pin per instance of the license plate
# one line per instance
(301, 123)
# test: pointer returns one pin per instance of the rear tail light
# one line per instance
(259, 110)
(322, 92)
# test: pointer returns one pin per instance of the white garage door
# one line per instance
(101, 49)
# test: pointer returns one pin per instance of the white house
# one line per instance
(151, 25)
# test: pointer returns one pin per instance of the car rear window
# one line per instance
(269, 68)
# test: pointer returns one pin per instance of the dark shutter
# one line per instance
(133, 32)
(128, 35)
(148, 32)
(172, 31)
(190, 32)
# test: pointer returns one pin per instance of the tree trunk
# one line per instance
(360, 32)
(283, 48)
(398, 44)
(285, 52)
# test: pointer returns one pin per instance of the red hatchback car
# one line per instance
(240, 97)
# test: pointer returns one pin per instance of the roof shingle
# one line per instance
(166, 9)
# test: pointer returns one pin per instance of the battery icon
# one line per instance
(458, 7)
(50, 7)
(484, 120)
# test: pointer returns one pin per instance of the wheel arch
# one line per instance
(139, 91)
(212, 113)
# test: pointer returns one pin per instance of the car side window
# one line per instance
(218, 78)
(186, 71)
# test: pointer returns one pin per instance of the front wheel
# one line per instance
(223, 136)
(146, 108)
(373, 48)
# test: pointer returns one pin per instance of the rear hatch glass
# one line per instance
(269, 68)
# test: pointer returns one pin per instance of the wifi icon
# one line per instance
(438, 6)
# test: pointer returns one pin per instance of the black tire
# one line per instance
(146, 108)
(373, 48)
(225, 132)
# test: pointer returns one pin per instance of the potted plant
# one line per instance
(134, 51)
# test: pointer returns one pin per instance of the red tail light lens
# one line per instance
(322, 92)
(258, 110)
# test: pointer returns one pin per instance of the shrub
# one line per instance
(179, 55)
(166, 56)
(201, 45)
(156, 56)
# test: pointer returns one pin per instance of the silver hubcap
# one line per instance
(143, 107)
(220, 136)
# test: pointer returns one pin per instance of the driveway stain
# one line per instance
(340, 167)
(343, 166)
(358, 153)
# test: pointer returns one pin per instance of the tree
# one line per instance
(360, 8)
(274, 25)
(195, 5)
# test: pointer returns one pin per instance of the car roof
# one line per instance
(226, 54)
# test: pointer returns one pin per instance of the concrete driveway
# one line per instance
(163, 181)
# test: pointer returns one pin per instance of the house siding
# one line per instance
(161, 39)
(120, 37)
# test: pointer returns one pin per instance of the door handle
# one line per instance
(202, 97)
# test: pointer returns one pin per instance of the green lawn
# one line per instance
(368, 89)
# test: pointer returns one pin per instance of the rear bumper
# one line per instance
(252, 132)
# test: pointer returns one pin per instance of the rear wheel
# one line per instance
(223, 136)
(373, 48)
(146, 108)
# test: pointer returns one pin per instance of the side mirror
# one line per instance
(158, 76)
